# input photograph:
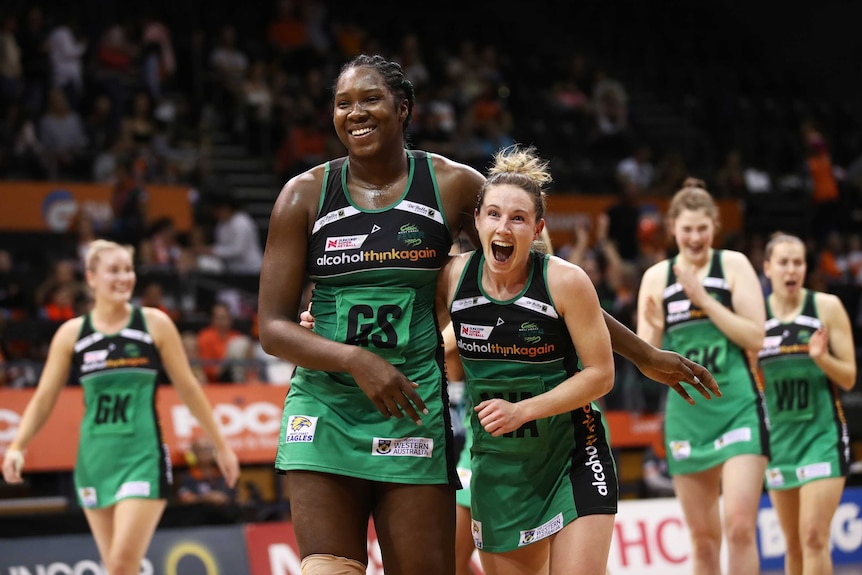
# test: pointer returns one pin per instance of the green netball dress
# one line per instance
(808, 433)
(701, 436)
(121, 453)
(375, 274)
(530, 483)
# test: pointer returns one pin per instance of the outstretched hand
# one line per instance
(672, 369)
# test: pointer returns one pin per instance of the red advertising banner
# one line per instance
(249, 415)
(53, 206)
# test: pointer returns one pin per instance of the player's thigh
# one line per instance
(786, 505)
(330, 513)
(101, 523)
(135, 522)
(534, 559)
(416, 528)
(583, 546)
(698, 494)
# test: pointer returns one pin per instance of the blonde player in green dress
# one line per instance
(116, 351)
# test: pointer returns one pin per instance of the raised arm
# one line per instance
(667, 367)
(831, 347)
(744, 324)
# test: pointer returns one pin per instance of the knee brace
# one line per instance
(322, 564)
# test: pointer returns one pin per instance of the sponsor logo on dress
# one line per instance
(88, 496)
(476, 530)
(300, 429)
(410, 235)
(814, 471)
(393, 255)
(345, 242)
(476, 331)
(403, 447)
(774, 477)
(680, 450)
(678, 306)
(733, 436)
(544, 530)
(530, 332)
(95, 355)
(465, 475)
(133, 489)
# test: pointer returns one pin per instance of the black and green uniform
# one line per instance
(701, 436)
(375, 274)
(808, 433)
(530, 483)
(121, 453)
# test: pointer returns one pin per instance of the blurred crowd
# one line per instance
(132, 96)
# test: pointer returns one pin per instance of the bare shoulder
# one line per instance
(655, 273)
(828, 304)
(733, 259)
(301, 190)
(158, 322)
(564, 276)
(68, 332)
(456, 177)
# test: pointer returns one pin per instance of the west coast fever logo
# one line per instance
(411, 235)
(530, 332)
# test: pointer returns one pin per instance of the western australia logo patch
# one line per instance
(403, 447)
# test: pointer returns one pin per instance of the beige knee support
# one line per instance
(321, 564)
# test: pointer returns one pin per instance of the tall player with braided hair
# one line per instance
(372, 231)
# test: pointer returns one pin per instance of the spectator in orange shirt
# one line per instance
(60, 305)
(223, 350)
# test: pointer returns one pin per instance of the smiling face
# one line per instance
(365, 115)
(506, 221)
(785, 268)
(112, 276)
(694, 231)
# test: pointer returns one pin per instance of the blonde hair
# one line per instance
(780, 238)
(521, 167)
(96, 247)
(693, 196)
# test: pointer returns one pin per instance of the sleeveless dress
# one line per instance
(701, 436)
(530, 483)
(121, 453)
(375, 274)
(808, 433)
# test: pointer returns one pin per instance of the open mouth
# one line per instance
(502, 251)
(361, 132)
